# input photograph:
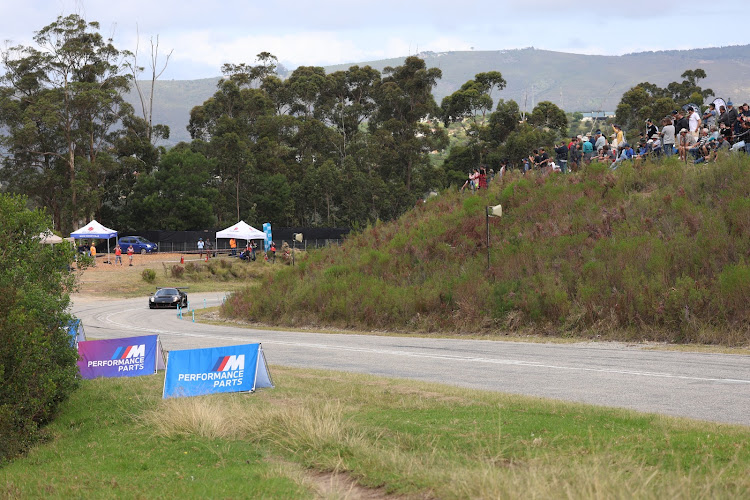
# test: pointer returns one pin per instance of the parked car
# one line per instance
(140, 244)
(168, 297)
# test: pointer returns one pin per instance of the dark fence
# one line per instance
(186, 241)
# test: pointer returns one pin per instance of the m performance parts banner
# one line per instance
(126, 357)
(194, 372)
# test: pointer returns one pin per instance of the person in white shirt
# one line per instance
(694, 122)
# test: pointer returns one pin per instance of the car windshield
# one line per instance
(166, 292)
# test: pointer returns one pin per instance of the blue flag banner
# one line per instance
(126, 357)
(194, 372)
(269, 236)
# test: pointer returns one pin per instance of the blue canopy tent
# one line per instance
(94, 230)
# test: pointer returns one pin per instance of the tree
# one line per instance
(147, 103)
(37, 360)
(178, 196)
(405, 104)
(547, 115)
(61, 106)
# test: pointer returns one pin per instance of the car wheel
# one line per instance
(150, 306)
(143, 251)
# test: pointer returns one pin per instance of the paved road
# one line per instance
(713, 387)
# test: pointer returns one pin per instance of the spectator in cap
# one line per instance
(731, 114)
(200, 247)
(656, 145)
(601, 141)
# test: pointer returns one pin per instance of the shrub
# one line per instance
(37, 360)
(177, 271)
(148, 275)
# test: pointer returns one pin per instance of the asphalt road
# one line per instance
(713, 387)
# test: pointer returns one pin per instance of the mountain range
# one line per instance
(575, 82)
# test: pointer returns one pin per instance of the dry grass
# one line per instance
(325, 427)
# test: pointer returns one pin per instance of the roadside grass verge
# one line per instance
(218, 274)
(409, 439)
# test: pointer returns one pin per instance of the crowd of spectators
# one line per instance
(694, 136)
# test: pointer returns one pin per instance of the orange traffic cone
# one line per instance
(207, 257)
(182, 259)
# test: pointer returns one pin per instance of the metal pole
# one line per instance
(487, 217)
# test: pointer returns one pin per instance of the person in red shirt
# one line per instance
(118, 255)
(273, 251)
(130, 254)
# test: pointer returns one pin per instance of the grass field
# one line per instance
(333, 435)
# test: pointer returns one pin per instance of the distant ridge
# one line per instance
(576, 82)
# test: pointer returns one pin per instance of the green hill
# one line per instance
(573, 81)
(654, 251)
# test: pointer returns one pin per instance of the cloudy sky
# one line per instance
(204, 35)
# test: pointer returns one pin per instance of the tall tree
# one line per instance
(62, 102)
(406, 104)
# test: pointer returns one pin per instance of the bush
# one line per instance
(37, 359)
(177, 271)
(148, 275)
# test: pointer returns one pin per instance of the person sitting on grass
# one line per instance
(626, 153)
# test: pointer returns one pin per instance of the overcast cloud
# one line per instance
(204, 35)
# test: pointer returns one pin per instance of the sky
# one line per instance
(204, 35)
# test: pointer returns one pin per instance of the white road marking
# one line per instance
(471, 359)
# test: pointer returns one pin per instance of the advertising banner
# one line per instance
(194, 372)
(269, 236)
(126, 357)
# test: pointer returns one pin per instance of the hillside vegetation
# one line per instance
(655, 251)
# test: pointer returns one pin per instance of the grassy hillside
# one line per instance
(574, 82)
(655, 251)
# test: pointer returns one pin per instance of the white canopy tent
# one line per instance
(48, 238)
(241, 231)
(94, 230)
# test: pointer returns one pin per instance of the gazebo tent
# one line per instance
(241, 231)
(94, 230)
(48, 238)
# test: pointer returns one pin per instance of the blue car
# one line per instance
(140, 245)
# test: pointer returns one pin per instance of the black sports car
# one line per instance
(168, 297)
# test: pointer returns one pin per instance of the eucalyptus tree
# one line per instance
(403, 126)
(61, 106)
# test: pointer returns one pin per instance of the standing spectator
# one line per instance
(588, 151)
(651, 128)
(233, 246)
(483, 177)
(601, 141)
(694, 122)
(273, 250)
(731, 115)
(201, 245)
(709, 116)
(681, 122)
(667, 137)
(209, 247)
(130, 255)
(92, 252)
(619, 136)
(118, 255)
(561, 152)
